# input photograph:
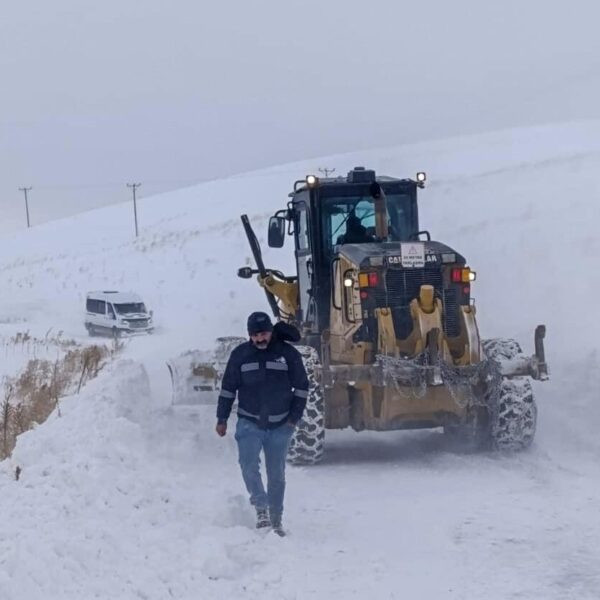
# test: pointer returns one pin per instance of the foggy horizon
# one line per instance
(97, 96)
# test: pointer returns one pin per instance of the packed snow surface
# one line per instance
(122, 496)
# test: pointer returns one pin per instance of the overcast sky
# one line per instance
(95, 94)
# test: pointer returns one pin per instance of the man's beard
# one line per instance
(261, 345)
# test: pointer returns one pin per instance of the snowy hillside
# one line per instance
(123, 497)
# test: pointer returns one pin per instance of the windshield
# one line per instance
(130, 307)
(351, 219)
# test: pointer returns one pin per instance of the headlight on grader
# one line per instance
(312, 181)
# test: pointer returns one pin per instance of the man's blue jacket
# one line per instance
(271, 384)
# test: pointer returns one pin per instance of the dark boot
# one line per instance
(262, 518)
(276, 525)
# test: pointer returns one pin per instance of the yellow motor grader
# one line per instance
(389, 331)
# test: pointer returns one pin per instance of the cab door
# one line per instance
(305, 268)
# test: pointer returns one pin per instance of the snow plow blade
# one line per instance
(196, 374)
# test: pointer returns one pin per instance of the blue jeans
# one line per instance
(251, 439)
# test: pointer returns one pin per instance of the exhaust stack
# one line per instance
(381, 223)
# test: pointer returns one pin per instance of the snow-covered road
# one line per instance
(125, 497)
(149, 504)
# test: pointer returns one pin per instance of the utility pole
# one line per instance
(25, 190)
(133, 187)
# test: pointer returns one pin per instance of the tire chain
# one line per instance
(306, 446)
(461, 381)
(510, 403)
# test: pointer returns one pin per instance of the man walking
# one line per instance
(269, 378)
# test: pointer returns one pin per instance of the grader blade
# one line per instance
(196, 374)
(194, 378)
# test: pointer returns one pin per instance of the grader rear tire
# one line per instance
(513, 423)
(511, 405)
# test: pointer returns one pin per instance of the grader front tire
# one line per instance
(307, 444)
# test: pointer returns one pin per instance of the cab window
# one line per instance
(351, 219)
(302, 226)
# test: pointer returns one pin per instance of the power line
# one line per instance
(270, 172)
(118, 184)
(159, 182)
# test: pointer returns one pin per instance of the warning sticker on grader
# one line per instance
(413, 255)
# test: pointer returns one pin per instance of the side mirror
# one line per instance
(276, 235)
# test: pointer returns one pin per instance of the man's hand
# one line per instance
(221, 429)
